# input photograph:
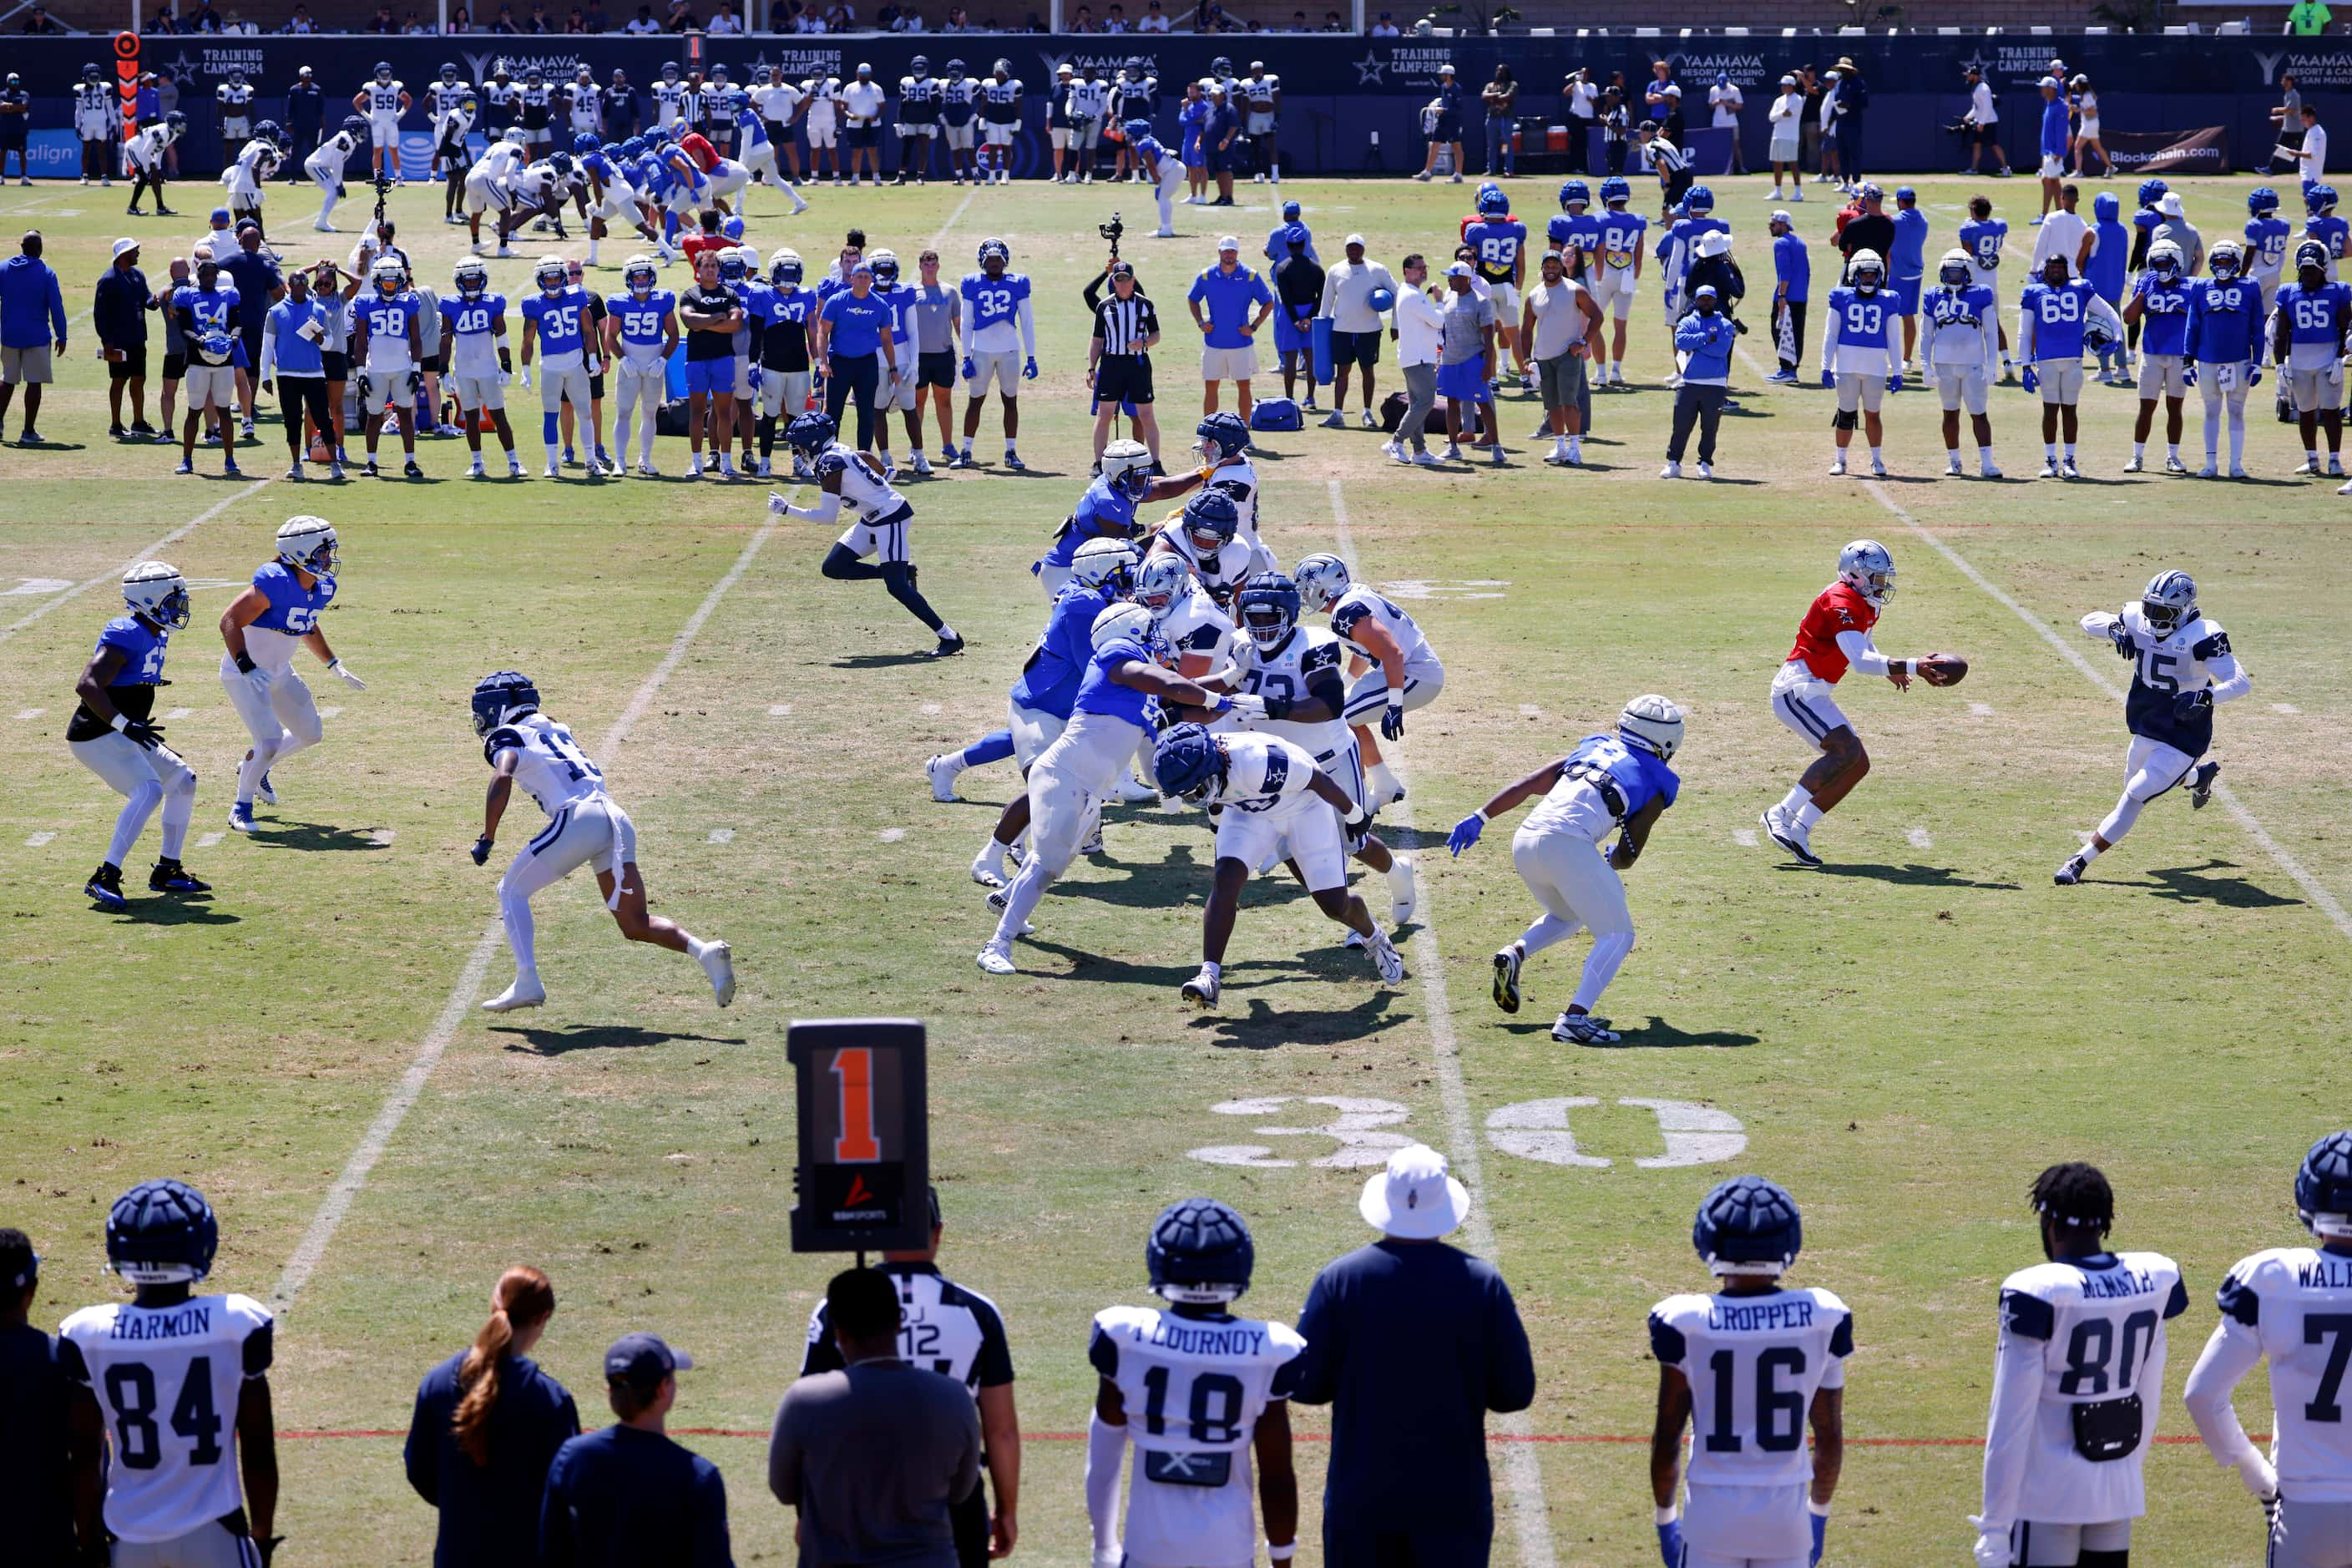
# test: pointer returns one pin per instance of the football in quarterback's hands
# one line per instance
(1943, 668)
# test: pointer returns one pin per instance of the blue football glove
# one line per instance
(1466, 833)
(1829, 377)
(1821, 1522)
(1895, 384)
(1393, 721)
(2254, 376)
(2188, 375)
(2027, 379)
(1029, 368)
(2189, 704)
(1670, 1543)
(481, 851)
(970, 370)
(2121, 636)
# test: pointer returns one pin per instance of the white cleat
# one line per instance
(1837, 467)
(475, 470)
(2133, 467)
(2067, 470)
(942, 770)
(554, 469)
(2236, 472)
(647, 471)
(2210, 471)
(2072, 872)
(514, 467)
(1987, 469)
(988, 871)
(1707, 470)
(1386, 958)
(718, 963)
(1952, 466)
(996, 959)
(1093, 843)
(1199, 992)
(1878, 469)
(267, 791)
(1404, 892)
(1133, 790)
(518, 995)
(1671, 471)
(2049, 469)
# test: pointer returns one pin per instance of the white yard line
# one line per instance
(1522, 1470)
(405, 1094)
(2327, 902)
(149, 554)
(1919, 838)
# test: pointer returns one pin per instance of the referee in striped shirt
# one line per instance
(1670, 163)
(1118, 360)
(957, 1333)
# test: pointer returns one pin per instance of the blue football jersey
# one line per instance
(1983, 240)
(385, 319)
(2058, 315)
(641, 320)
(1049, 680)
(1621, 237)
(2266, 237)
(1099, 693)
(2331, 232)
(2224, 321)
(1103, 504)
(558, 317)
(2164, 320)
(1639, 776)
(293, 609)
(2311, 313)
(142, 646)
(1496, 243)
(991, 300)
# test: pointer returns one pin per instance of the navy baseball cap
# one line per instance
(220, 214)
(642, 1361)
(1906, 194)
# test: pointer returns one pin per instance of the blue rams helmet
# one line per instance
(2169, 601)
(2261, 199)
(993, 249)
(731, 225)
(1492, 202)
(585, 143)
(162, 1233)
(1189, 764)
(501, 697)
(1268, 608)
(1222, 435)
(1614, 189)
(1199, 1252)
(1575, 193)
(1700, 199)
(634, 147)
(1747, 1226)
(811, 432)
(2322, 1186)
(1136, 130)
(1290, 211)
(1212, 519)
(2319, 200)
(2152, 192)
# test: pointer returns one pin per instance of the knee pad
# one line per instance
(1844, 420)
(187, 783)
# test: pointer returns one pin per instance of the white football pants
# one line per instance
(146, 780)
(594, 832)
(1578, 889)
(279, 713)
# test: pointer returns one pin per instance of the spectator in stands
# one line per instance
(36, 1495)
(1385, 27)
(205, 20)
(1653, 95)
(873, 1458)
(1500, 98)
(723, 24)
(32, 329)
(1154, 19)
(299, 24)
(504, 22)
(1411, 1335)
(596, 21)
(1208, 17)
(460, 20)
(628, 1495)
(681, 18)
(1445, 130)
(1852, 105)
(489, 1422)
(40, 22)
(1114, 19)
(643, 23)
(411, 25)
(383, 22)
(2307, 18)
(1333, 23)
(161, 25)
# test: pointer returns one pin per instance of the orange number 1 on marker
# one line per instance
(854, 1067)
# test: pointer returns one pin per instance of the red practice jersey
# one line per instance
(694, 244)
(1840, 608)
(695, 145)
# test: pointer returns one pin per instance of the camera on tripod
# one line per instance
(1111, 231)
(383, 185)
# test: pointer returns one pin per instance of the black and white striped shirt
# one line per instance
(1666, 157)
(1124, 325)
(953, 1332)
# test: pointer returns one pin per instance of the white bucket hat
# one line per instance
(1414, 1198)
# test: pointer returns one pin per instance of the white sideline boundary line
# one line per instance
(177, 534)
(405, 1094)
(2327, 903)
(1522, 1471)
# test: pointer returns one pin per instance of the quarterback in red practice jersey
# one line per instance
(1833, 638)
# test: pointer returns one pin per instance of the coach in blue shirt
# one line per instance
(32, 314)
(489, 1420)
(1792, 286)
(1410, 1336)
(858, 328)
(627, 1497)
(1222, 298)
(2054, 137)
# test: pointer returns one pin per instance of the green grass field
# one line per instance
(1903, 1039)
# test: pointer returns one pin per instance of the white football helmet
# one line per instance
(472, 278)
(2226, 260)
(1164, 581)
(553, 272)
(309, 543)
(1867, 271)
(1867, 568)
(156, 590)
(1123, 457)
(2164, 259)
(516, 136)
(1105, 563)
(1957, 268)
(1321, 579)
(2169, 601)
(1654, 724)
(388, 276)
(1123, 620)
(639, 274)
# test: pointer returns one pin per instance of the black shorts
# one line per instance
(309, 393)
(969, 1521)
(596, 387)
(1123, 378)
(937, 368)
(863, 136)
(1988, 135)
(337, 367)
(1677, 184)
(1356, 348)
(435, 363)
(175, 366)
(130, 366)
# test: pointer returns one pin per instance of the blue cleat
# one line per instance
(105, 889)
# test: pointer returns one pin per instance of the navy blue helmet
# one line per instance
(162, 1233)
(1189, 764)
(585, 143)
(497, 697)
(811, 433)
(1290, 211)
(1747, 1226)
(1199, 1252)
(1268, 608)
(1700, 199)
(1228, 431)
(2323, 1187)
(1212, 519)
(1573, 192)
(2261, 199)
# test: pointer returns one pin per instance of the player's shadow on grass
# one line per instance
(1914, 876)
(1175, 883)
(1657, 1035)
(176, 911)
(881, 661)
(313, 836)
(1266, 1028)
(599, 1038)
(2190, 885)
(44, 445)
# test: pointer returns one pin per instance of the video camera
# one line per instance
(1111, 231)
(383, 185)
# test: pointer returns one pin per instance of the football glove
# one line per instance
(523, 378)
(1829, 377)
(2259, 1479)
(481, 850)
(2029, 379)
(971, 370)
(1991, 1550)
(1029, 368)
(1277, 708)
(341, 672)
(1244, 705)
(1895, 382)
(1357, 829)
(142, 734)
(2120, 635)
(2189, 704)
(1466, 833)
(1392, 718)
(2253, 375)
(2188, 375)
(1670, 1543)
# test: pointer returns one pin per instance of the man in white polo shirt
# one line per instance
(1418, 331)
(1348, 291)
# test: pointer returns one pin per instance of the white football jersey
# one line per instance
(1000, 98)
(1193, 625)
(2080, 1368)
(1307, 659)
(1222, 573)
(549, 764)
(2295, 1304)
(383, 98)
(447, 97)
(1268, 776)
(1753, 1363)
(1194, 1388)
(168, 1381)
(861, 487)
(669, 101)
(1360, 602)
(1239, 480)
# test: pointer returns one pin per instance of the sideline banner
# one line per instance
(2205, 150)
